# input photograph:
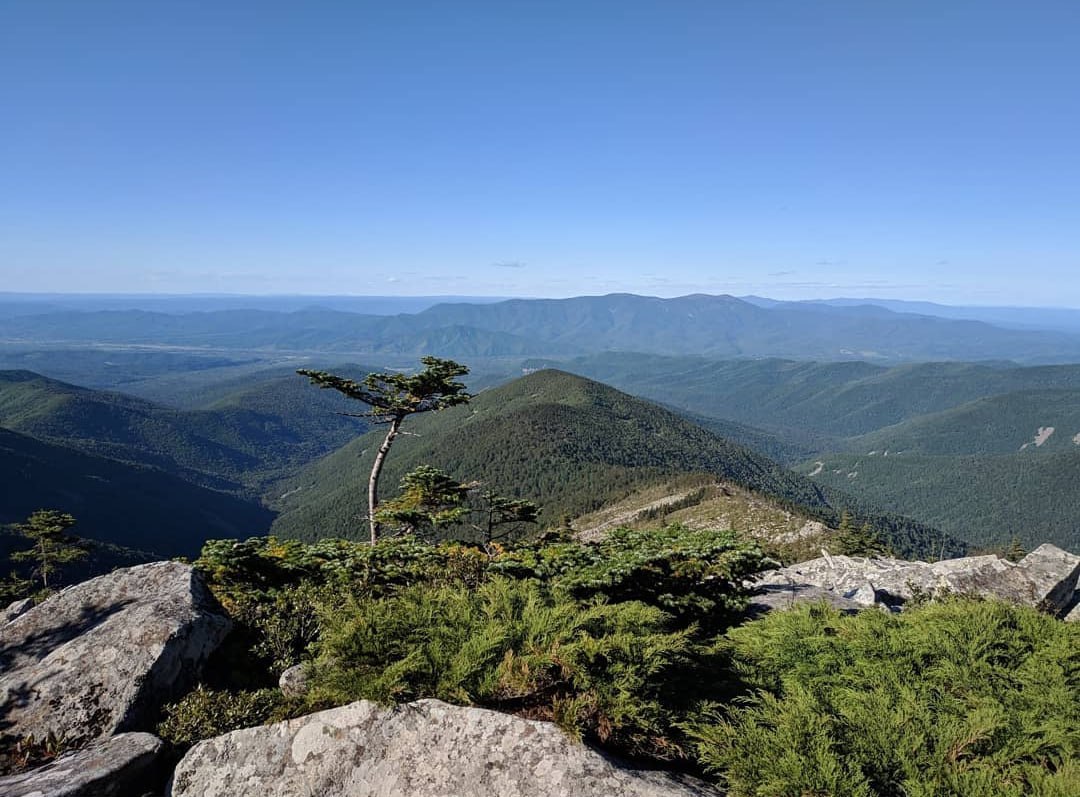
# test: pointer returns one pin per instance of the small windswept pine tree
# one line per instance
(394, 397)
(53, 546)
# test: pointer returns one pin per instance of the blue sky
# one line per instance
(898, 148)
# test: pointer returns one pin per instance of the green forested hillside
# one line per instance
(838, 399)
(568, 443)
(987, 471)
(1002, 424)
(247, 439)
(128, 505)
(987, 500)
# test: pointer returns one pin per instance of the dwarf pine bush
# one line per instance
(975, 699)
(597, 669)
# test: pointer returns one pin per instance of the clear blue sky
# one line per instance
(901, 148)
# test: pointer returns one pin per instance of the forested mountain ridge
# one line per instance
(235, 446)
(568, 443)
(991, 470)
(714, 326)
(834, 399)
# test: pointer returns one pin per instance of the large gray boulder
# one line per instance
(122, 766)
(1045, 578)
(1053, 574)
(103, 656)
(422, 749)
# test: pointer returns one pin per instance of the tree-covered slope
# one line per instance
(987, 471)
(568, 443)
(984, 499)
(246, 439)
(1028, 421)
(128, 505)
(835, 399)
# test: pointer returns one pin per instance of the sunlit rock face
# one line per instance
(421, 749)
(102, 657)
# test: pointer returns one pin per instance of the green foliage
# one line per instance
(393, 397)
(52, 546)
(859, 540)
(433, 504)
(694, 575)
(975, 699)
(596, 668)
(429, 499)
(205, 713)
(397, 395)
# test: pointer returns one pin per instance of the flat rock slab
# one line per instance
(101, 657)
(778, 594)
(121, 766)
(422, 749)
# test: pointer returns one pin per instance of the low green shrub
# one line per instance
(596, 669)
(967, 698)
(205, 713)
(695, 575)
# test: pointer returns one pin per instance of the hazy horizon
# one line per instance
(437, 297)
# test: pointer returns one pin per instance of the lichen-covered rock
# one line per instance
(294, 681)
(422, 749)
(121, 766)
(102, 657)
(1045, 578)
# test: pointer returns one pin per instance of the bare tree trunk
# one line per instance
(373, 482)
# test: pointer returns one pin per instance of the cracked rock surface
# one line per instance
(421, 749)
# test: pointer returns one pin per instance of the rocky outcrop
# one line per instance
(1046, 578)
(422, 749)
(1053, 575)
(103, 656)
(117, 767)
(14, 609)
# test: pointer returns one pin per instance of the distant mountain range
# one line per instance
(1063, 319)
(711, 326)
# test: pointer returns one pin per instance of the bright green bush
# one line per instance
(597, 669)
(975, 699)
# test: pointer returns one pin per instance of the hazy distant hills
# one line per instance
(1063, 319)
(712, 326)
(568, 443)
